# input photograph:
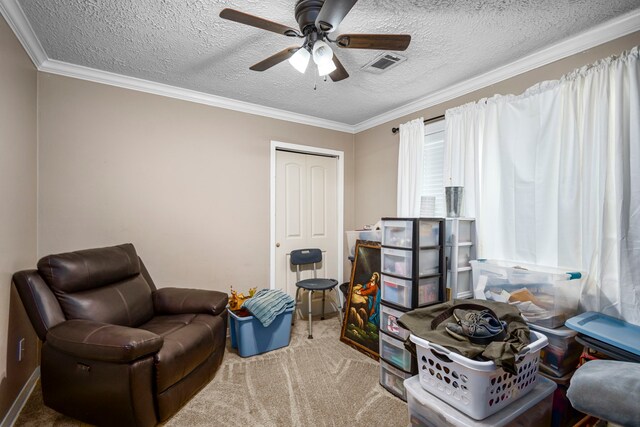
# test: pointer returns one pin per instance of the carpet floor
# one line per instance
(318, 382)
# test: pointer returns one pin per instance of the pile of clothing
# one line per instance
(267, 304)
(476, 329)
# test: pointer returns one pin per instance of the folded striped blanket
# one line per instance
(266, 304)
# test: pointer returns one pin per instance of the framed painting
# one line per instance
(360, 325)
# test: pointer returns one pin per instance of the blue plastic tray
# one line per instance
(607, 329)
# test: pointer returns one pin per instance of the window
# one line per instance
(432, 196)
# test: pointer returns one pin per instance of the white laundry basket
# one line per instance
(475, 388)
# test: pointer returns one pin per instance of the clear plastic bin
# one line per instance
(532, 410)
(561, 355)
(393, 351)
(392, 379)
(400, 262)
(389, 322)
(368, 235)
(546, 296)
(400, 291)
(399, 233)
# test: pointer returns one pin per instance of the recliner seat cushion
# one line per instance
(188, 341)
(104, 285)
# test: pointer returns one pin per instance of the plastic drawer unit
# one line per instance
(532, 410)
(251, 338)
(400, 291)
(393, 378)
(393, 351)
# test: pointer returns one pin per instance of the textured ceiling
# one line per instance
(186, 44)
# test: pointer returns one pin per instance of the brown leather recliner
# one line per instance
(116, 350)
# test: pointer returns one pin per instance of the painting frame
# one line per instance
(360, 323)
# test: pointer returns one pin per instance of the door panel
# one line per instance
(306, 214)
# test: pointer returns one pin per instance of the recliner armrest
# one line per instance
(102, 341)
(187, 301)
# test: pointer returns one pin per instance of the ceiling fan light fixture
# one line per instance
(325, 68)
(322, 53)
(300, 59)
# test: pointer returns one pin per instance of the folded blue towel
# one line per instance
(266, 304)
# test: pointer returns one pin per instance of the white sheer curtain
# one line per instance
(553, 178)
(410, 168)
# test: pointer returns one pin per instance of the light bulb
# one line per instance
(300, 59)
(325, 68)
(322, 53)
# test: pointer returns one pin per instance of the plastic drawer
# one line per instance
(400, 262)
(393, 379)
(400, 291)
(464, 230)
(389, 322)
(464, 255)
(393, 351)
(464, 282)
(429, 233)
(399, 233)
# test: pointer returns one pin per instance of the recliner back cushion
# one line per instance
(102, 284)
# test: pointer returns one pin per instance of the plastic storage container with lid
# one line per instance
(546, 296)
(476, 388)
(532, 410)
(561, 355)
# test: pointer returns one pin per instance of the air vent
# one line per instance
(384, 62)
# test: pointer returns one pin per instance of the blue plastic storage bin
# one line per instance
(251, 338)
(607, 329)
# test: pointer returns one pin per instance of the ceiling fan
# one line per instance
(317, 19)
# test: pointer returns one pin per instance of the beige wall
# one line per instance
(188, 184)
(17, 209)
(376, 149)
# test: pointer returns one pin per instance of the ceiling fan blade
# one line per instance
(275, 59)
(374, 41)
(255, 21)
(332, 14)
(339, 73)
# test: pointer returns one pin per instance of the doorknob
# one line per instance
(277, 245)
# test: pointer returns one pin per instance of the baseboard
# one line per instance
(20, 401)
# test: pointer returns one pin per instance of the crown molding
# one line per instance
(600, 34)
(126, 82)
(20, 25)
(595, 36)
(17, 20)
